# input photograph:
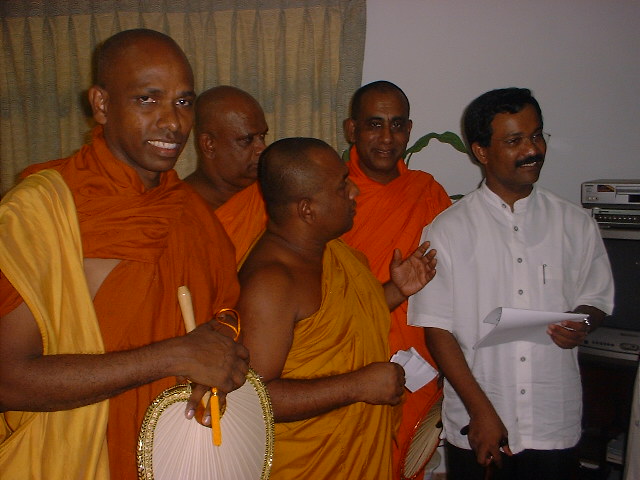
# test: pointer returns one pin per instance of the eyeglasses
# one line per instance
(538, 139)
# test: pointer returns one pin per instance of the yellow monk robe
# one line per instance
(38, 445)
(165, 237)
(348, 332)
(387, 217)
(244, 217)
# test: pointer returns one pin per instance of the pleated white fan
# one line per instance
(423, 443)
(170, 447)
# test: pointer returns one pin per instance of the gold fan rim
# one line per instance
(181, 393)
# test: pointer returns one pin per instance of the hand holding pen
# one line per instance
(569, 334)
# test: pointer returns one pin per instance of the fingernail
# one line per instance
(190, 413)
(206, 420)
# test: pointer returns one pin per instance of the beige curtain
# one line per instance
(301, 59)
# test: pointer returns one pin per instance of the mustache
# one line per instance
(530, 159)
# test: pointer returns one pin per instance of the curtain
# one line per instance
(302, 60)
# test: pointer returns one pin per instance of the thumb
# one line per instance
(396, 259)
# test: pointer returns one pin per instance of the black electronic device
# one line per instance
(614, 204)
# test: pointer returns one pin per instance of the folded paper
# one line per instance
(418, 372)
(513, 324)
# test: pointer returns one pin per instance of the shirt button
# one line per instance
(516, 228)
(520, 292)
(522, 359)
(523, 391)
(504, 206)
(519, 260)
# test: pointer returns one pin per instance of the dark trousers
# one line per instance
(526, 465)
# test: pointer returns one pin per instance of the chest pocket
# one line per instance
(551, 280)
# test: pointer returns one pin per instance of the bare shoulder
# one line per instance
(278, 279)
(268, 287)
(269, 267)
(269, 311)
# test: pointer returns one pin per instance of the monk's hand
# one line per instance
(568, 334)
(414, 272)
(380, 383)
(199, 404)
(208, 357)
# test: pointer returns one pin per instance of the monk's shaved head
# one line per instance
(109, 52)
(381, 86)
(214, 105)
(288, 173)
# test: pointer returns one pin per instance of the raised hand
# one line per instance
(414, 272)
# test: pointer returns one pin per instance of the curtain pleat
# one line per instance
(302, 60)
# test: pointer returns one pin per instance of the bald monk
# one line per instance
(230, 134)
(316, 320)
(394, 205)
(92, 250)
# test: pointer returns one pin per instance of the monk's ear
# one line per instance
(479, 152)
(99, 101)
(206, 143)
(349, 126)
(305, 210)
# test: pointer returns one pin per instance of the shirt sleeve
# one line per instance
(595, 280)
(433, 305)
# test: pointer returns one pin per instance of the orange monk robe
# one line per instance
(348, 332)
(387, 217)
(244, 217)
(165, 237)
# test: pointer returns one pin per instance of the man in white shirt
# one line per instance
(511, 244)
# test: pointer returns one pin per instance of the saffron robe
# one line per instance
(36, 445)
(348, 332)
(244, 218)
(166, 237)
(387, 217)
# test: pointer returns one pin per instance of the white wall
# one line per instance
(581, 58)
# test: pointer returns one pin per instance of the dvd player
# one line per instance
(610, 193)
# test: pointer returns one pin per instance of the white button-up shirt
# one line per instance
(545, 255)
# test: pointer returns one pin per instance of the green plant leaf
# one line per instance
(447, 137)
(345, 154)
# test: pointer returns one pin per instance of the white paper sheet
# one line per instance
(512, 324)
(418, 372)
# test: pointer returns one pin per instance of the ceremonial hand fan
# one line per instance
(170, 447)
(423, 443)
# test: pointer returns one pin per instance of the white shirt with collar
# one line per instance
(545, 255)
